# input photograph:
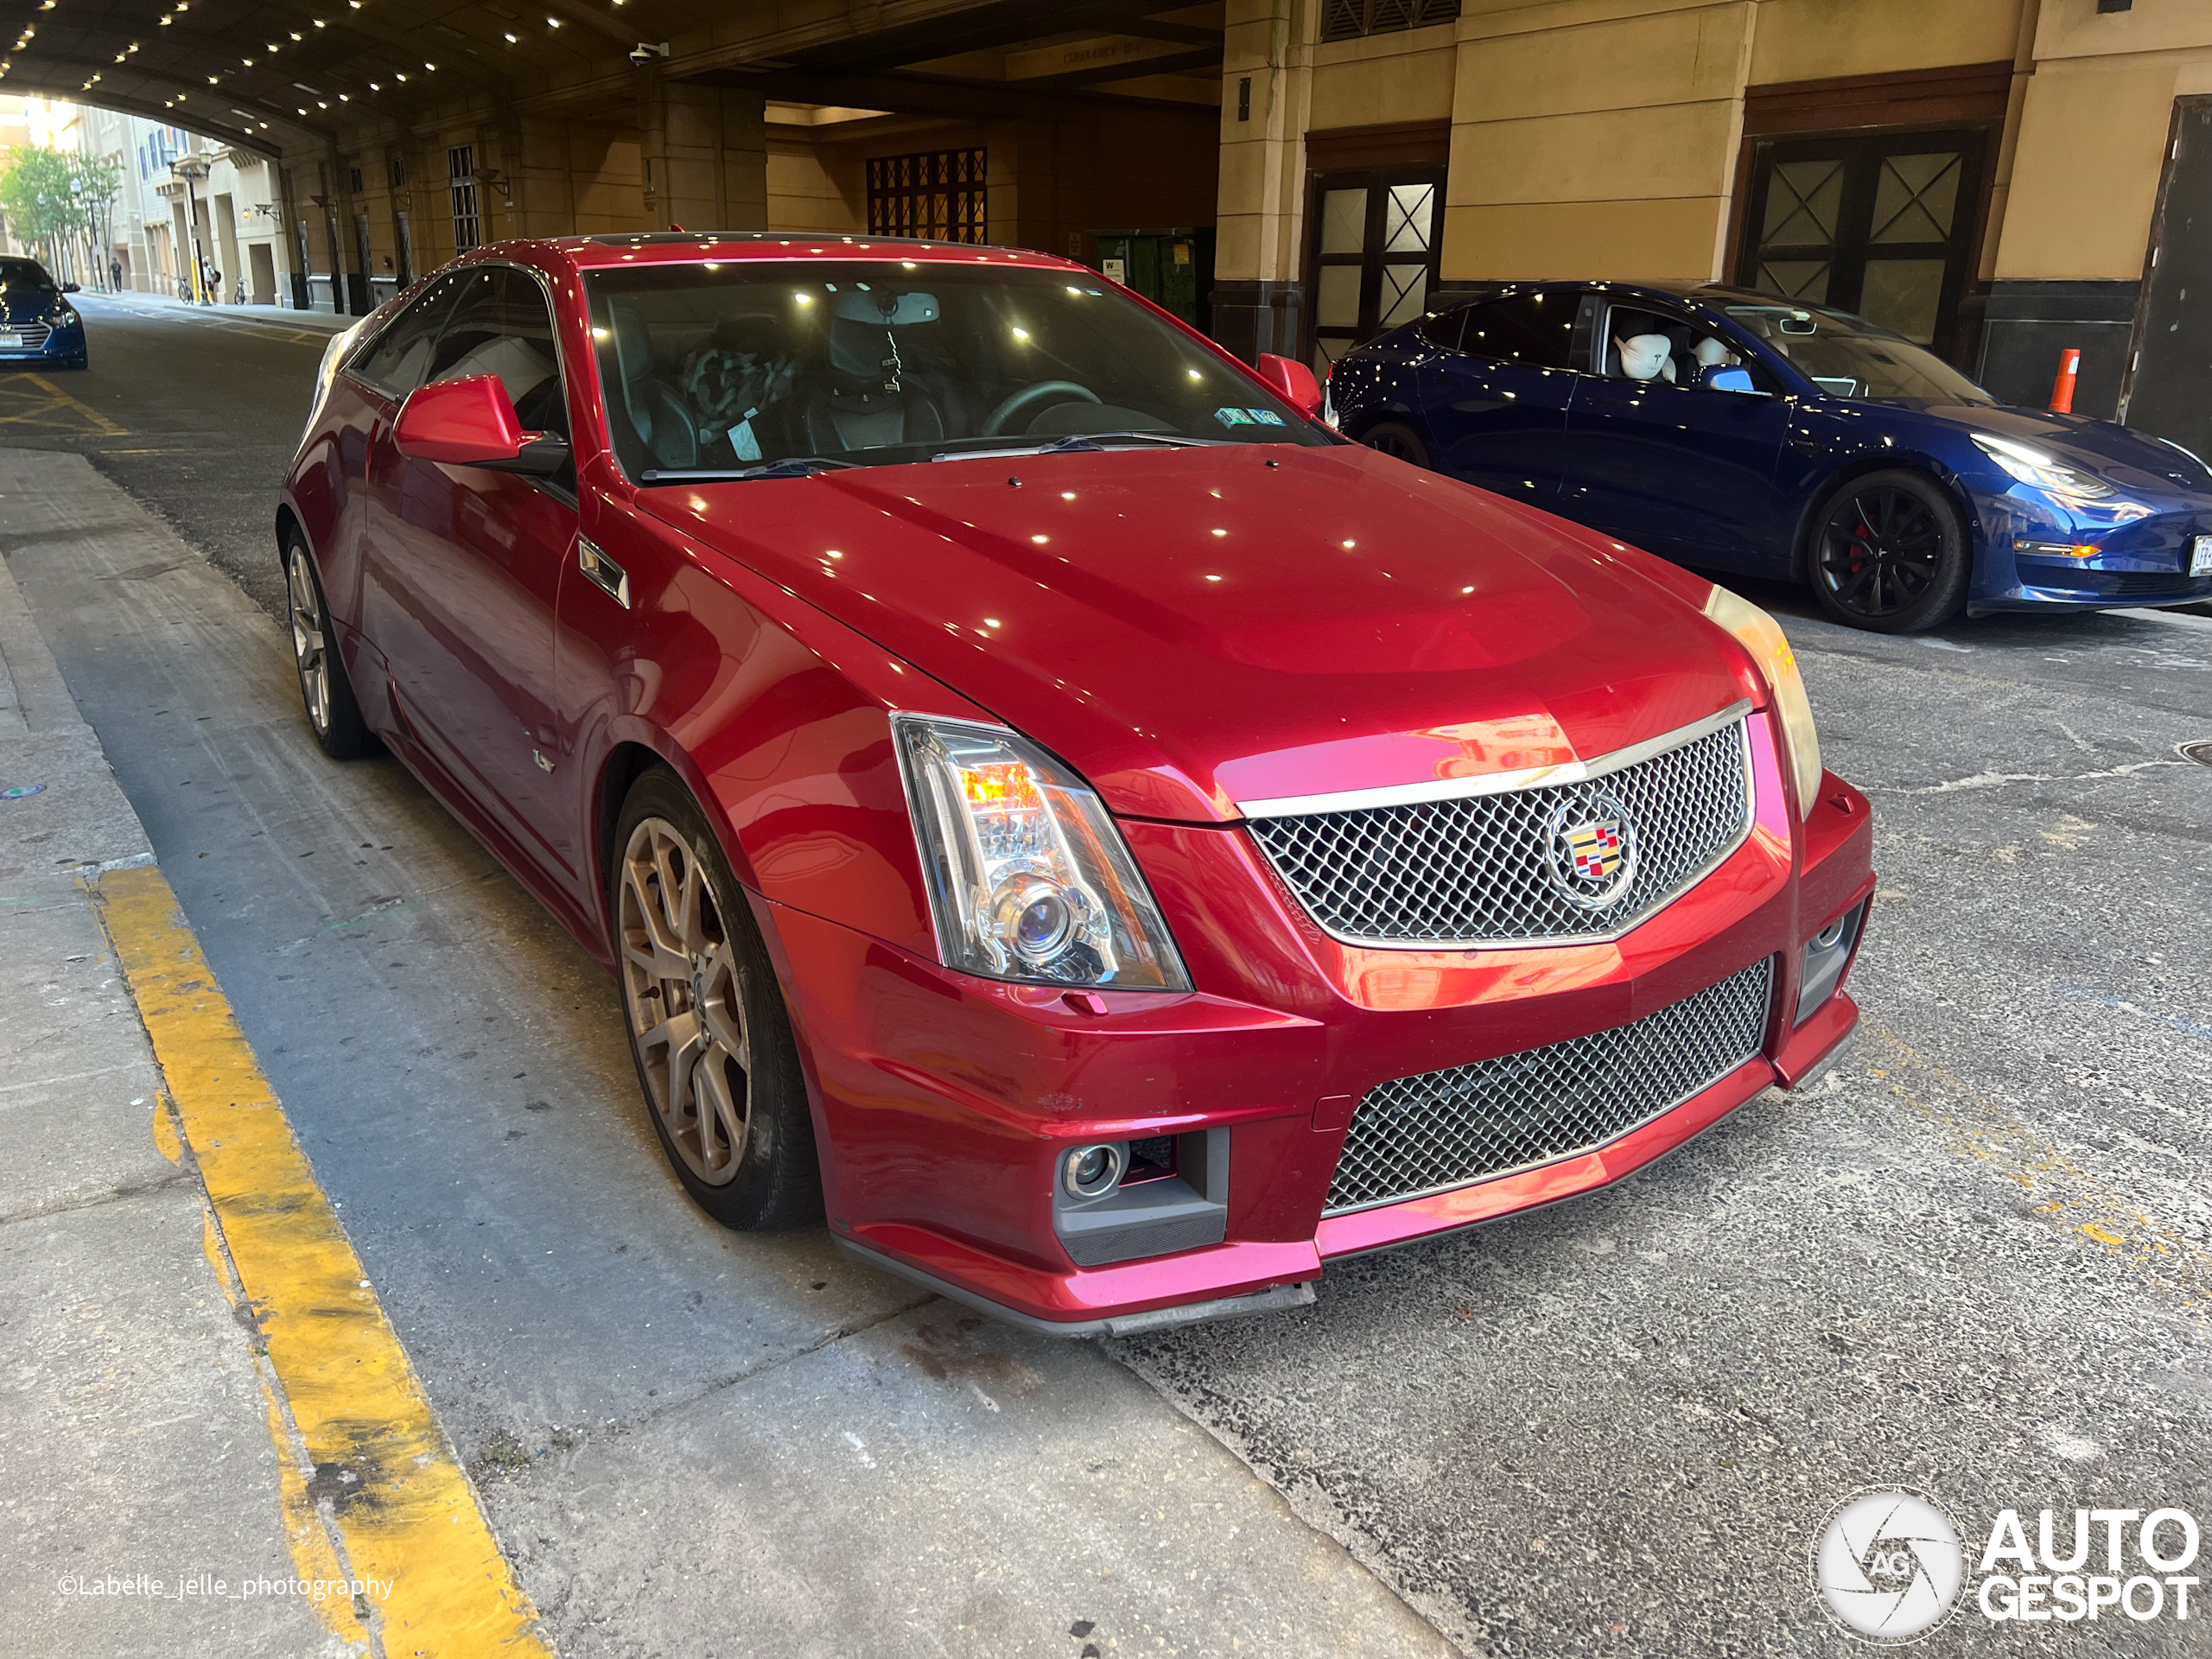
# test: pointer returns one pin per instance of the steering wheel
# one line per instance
(995, 423)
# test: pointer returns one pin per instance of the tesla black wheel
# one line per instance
(706, 1018)
(334, 715)
(1891, 554)
(1397, 439)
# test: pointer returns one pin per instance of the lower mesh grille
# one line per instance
(1443, 1129)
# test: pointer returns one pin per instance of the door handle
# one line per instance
(602, 572)
(1806, 445)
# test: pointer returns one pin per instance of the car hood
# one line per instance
(29, 305)
(2129, 459)
(1193, 628)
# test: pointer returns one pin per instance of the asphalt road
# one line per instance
(1978, 1262)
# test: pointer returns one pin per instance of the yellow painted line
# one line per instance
(108, 428)
(408, 1515)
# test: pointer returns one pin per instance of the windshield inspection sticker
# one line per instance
(1233, 416)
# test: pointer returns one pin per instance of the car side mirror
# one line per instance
(1729, 380)
(1292, 382)
(71, 287)
(471, 421)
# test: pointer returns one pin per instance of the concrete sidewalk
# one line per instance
(135, 1414)
(168, 305)
(816, 1461)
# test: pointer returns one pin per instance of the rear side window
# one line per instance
(1535, 330)
(1441, 328)
(400, 360)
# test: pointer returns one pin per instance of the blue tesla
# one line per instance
(38, 327)
(1738, 432)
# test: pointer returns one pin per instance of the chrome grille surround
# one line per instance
(33, 336)
(1417, 1136)
(1466, 865)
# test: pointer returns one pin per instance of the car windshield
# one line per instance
(24, 273)
(1850, 357)
(726, 366)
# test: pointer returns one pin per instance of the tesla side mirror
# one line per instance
(471, 423)
(1292, 382)
(71, 287)
(1729, 380)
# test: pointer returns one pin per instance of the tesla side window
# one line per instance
(1531, 329)
(1441, 328)
(747, 363)
(502, 326)
(400, 360)
(1850, 357)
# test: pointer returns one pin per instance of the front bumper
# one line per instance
(63, 344)
(2143, 550)
(944, 1101)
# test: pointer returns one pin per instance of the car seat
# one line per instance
(661, 419)
(865, 396)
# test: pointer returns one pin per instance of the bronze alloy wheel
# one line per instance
(708, 1029)
(332, 715)
(310, 647)
(686, 1005)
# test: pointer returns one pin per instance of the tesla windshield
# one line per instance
(740, 365)
(1850, 357)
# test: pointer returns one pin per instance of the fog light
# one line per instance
(1093, 1172)
(2058, 549)
(1827, 953)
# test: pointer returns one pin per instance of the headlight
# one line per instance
(2044, 472)
(1759, 633)
(1028, 878)
(326, 375)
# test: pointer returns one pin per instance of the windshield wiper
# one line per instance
(789, 466)
(1100, 440)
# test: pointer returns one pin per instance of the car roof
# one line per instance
(687, 247)
(1672, 289)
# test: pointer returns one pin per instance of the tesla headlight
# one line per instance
(1759, 633)
(326, 375)
(2032, 466)
(1028, 878)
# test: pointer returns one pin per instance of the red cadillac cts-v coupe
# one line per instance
(1047, 799)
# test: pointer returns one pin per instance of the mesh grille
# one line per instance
(1447, 1128)
(1479, 870)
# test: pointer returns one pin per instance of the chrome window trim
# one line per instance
(1495, 783)
(1536, 777)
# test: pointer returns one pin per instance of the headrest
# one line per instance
(1644, 356)
(634, 346)
(1711, 353)
(885, 307)
(857, 348)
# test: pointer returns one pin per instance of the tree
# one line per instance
(52, 196)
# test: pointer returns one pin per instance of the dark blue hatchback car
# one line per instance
(1738, 432)
(38, 327)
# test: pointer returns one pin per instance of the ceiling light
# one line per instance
(511, 40)
(552, 23)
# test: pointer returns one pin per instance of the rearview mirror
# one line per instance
(471, 423)
(71, 287)
(1292, 382)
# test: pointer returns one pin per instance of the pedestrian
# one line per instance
(240, 297)
(115, 275)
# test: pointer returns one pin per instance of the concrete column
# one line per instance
(705, 150)
(1260, 218)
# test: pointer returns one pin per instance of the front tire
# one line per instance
(1891, 554)
(1399, 441)
(709, 1031)
(325, 687)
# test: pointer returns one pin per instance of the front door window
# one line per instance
(1881, 225)
(1375, 238)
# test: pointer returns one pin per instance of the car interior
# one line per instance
(724, 369)
(1655, 345)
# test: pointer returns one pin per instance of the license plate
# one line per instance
(8, 342)
(2200, 557)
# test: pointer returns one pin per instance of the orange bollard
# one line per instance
(2062, 388)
